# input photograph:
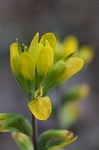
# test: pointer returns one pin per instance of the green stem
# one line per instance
(34, 136)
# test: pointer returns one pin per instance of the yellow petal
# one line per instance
(73, 65)
(70, 45)
(14, 57)
(35, 52)
(34, 42)
(45, 60)
(35, 47)
(51, 39)
(28, 68)
(41, 108)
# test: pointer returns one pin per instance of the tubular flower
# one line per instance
(36, 72)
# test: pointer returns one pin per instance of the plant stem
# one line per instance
(34, 136)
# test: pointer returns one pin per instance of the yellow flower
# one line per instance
(38, 59)
(36, 72)
(31, 66)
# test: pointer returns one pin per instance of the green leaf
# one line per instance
(23, 141)
(54, 139)
(15, 122)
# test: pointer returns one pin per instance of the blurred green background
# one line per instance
(22, 19)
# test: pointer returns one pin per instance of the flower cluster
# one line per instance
(37, 71)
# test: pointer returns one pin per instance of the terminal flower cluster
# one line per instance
(37, 72)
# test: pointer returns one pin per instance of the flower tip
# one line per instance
(37, 35)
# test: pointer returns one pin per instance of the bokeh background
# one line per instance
(22, 19)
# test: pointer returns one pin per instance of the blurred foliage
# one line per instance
(68, 113)
(70, 105)
(15, 122)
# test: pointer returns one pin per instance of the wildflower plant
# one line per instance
(38, 71)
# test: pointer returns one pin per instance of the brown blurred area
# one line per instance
(22, 19)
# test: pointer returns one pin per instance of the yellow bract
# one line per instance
(41, 108)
